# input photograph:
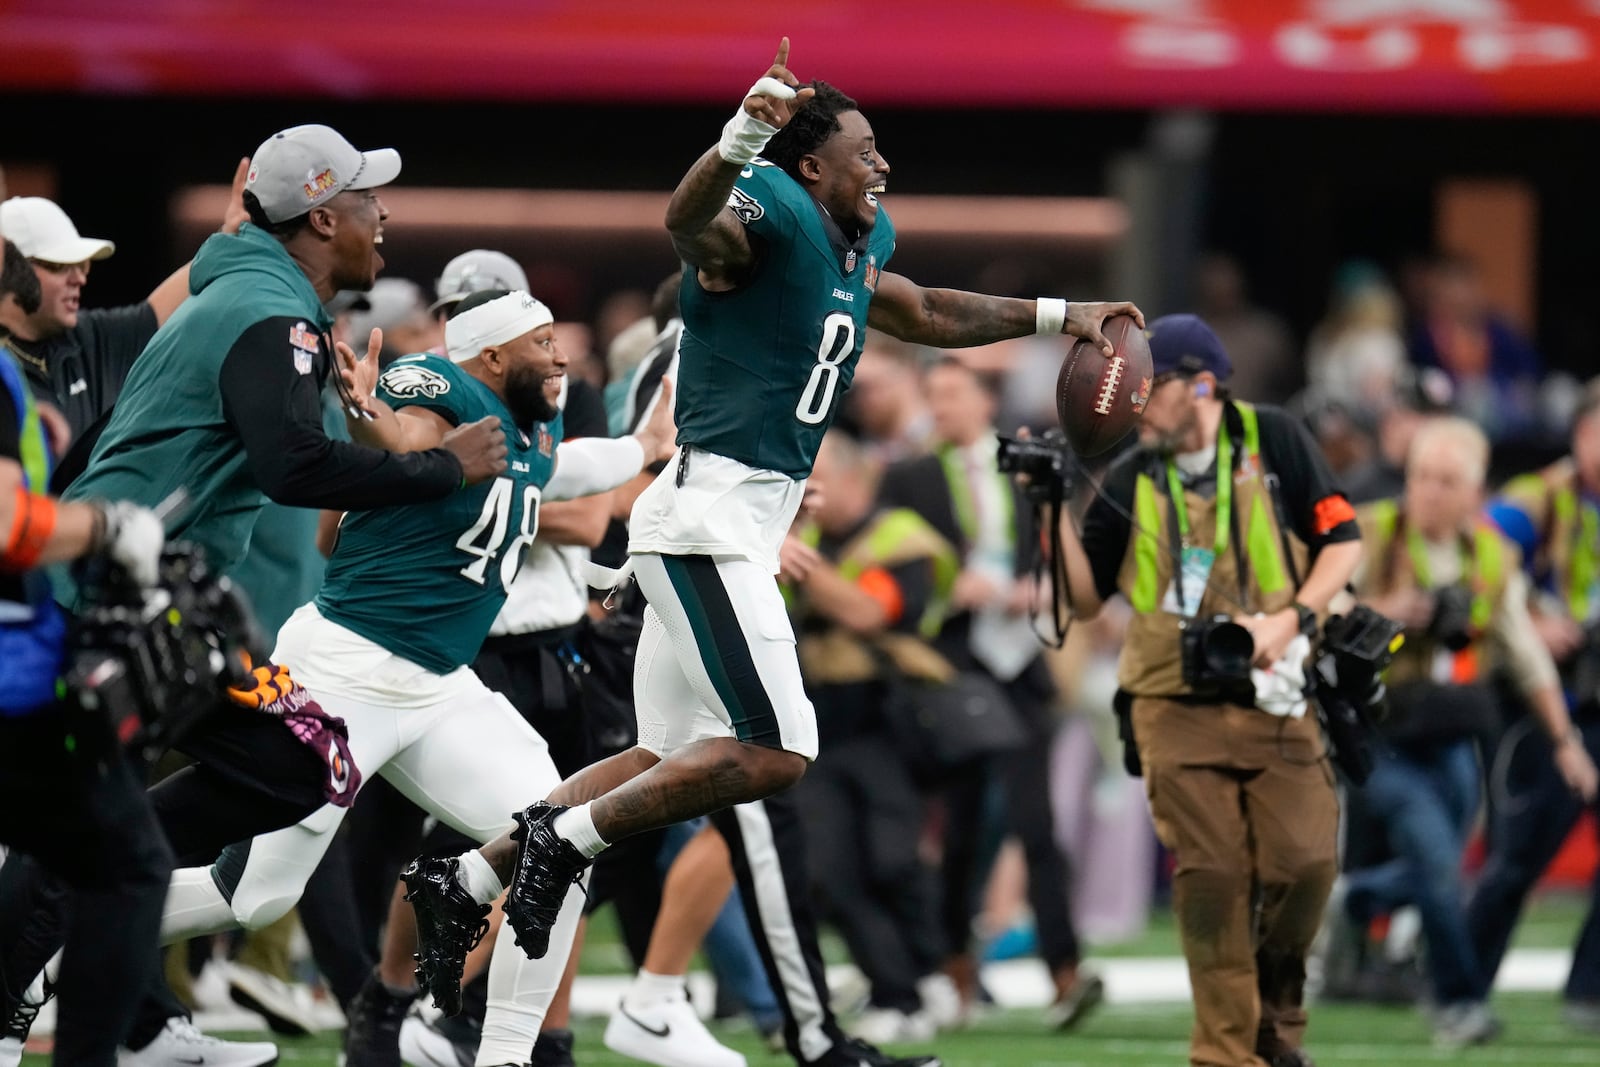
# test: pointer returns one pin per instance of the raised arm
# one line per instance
(165, 298)
(704, 230)
(955, 318)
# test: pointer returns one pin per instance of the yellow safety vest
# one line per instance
(1485, 561)
(893, 537)
(1150, 664)
(1569, 533)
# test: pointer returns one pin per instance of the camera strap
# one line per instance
(1193, 563)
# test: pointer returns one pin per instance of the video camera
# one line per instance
(152, 662)
(1044, 461)
(1347, 684)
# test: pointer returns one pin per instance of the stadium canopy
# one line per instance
(1465, 56)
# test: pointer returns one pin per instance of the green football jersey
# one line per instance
(761, 368)
(425, 581)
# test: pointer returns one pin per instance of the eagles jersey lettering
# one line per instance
(762, 368)
(425, 581)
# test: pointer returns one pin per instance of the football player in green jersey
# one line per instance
(409, 596)
(788, 246)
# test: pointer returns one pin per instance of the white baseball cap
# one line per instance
(494, 322)
(41, 230)
(473, 271)
(303, 167)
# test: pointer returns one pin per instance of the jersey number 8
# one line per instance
(838, 341)
(491, 528)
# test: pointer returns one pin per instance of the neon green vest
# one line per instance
(1569, 533)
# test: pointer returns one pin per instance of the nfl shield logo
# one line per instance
(850, 261)
(302, 360)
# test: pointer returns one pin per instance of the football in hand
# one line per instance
(1099, 398)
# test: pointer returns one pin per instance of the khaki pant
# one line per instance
(1247, 806)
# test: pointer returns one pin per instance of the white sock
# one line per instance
(576, 826)
(520, 989)
(478, 878)
(648, 988)
(195, 906)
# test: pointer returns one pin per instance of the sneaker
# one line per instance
(372, 1032)
(181, 1042)
(553, 1049)
(10, 1051)
(444, 1042)
(1291, 1057)
(1582, 1015)
(1469, 1022)
(547, 866)
(891, 1026)
(449, 924)
(941, 1001)
(854, 1052)
(668, 1033)
(1078, 993)
(286, 1008)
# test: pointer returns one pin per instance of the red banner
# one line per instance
(1372, 55)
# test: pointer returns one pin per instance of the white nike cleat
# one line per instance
(285, 1007)
(887, 1026)
(181, 1044)
(667, 1033)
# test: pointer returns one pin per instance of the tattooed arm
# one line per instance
(954, 318)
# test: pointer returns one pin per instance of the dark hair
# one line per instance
(664, 301)
(281, 230)
(18, 279)
(477, 299)
(989, 383)
(815, 122)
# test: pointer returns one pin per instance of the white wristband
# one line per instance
(745, 136)
(1050, 314)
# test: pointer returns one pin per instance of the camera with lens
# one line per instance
(1347, 683)
(1045, 461)
(151, 662)
(1216, 654)
(1451, 624)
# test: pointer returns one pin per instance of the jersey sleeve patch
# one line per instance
(411, 382)
(745, 206)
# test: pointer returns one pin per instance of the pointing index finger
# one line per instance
(783, 53)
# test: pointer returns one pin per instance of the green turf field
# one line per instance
(1158, 1037)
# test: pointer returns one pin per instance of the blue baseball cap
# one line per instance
(1184, 344)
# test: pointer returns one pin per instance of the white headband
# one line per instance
(487, 325)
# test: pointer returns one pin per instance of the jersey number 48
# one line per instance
(485, 538)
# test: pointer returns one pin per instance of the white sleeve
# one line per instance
(590, 465)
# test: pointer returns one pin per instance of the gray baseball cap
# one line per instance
(303, 167)
(476, 270)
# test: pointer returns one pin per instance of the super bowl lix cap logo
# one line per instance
(1141, 396)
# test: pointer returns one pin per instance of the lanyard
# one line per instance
(1224, 494)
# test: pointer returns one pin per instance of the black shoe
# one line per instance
(1291, 1058)
(449, 924)
(547, 866)
(372, 1032)
(553, 1049)
(854, 1052)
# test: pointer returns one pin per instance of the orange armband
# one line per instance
(31, 526)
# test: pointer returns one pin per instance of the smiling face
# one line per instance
(357, 218)
(531, 368)
(847, 172)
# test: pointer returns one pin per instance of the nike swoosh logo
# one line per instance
(660, 1031)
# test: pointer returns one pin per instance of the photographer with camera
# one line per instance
(1437, 566)
(1553, 515)
(961, 491)
(68, 796)
(1192, 529)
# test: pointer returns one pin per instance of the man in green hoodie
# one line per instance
(224, 405)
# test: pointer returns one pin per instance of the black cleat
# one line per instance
(449, 924)
(854, 1052)
(553, 1049)
(547, 866)
(372, 1033)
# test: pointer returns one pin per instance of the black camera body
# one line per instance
(1347, 684)
(153, 662)
(1216, 654)
(1046, 461)
(1451, 623)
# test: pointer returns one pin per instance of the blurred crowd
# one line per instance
(945, 841)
